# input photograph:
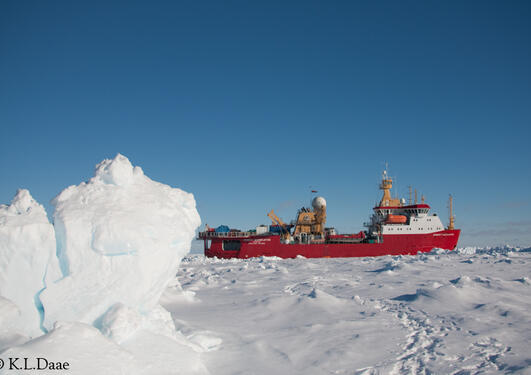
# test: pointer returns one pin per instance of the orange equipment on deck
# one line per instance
(396, 219)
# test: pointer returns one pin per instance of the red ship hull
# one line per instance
(270, 245)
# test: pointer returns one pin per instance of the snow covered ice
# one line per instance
(460, 312)
(27, 263)
(92, 281)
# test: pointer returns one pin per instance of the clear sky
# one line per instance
(247, 104)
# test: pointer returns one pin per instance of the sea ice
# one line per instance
(450, 312)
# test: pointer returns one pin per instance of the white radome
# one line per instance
(318, 203)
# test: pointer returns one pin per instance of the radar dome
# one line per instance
(318, 203)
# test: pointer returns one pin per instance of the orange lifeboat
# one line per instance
(395, 219)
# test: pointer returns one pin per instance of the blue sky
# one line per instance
(247, 104)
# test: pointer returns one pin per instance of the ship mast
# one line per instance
(452, 218)
(386, 184)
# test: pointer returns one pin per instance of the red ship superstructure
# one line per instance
(395, 228)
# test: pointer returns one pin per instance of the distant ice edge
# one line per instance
(97, 273)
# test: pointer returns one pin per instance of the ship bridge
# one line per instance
(397, 206)
(414, 209)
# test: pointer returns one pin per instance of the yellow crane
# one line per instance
(277, 221)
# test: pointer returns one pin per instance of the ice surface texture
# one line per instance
(88, 352)
(445, 312)
(27, 260)
(120, 239)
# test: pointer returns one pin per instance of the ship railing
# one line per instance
(346, 240)
(225, 234)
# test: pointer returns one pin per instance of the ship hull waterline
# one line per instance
(270, 245)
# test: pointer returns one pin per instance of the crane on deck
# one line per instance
(278, 221)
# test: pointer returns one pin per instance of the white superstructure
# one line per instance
(416, 219)
(393, 216)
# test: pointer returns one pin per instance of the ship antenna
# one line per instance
(409, 203)
(384, 173)
(452, 218)
(312, 192)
